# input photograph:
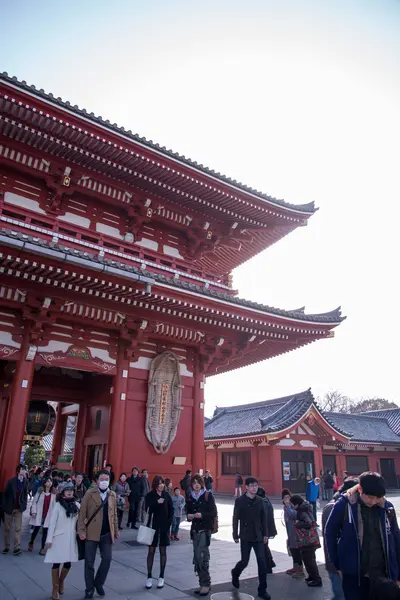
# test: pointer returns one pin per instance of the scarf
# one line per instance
(69, 505)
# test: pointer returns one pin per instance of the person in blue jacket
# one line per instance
(363, 538)
(312, 494)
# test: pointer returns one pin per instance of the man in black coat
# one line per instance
(136, 486)
(15, 499)
(250, 513)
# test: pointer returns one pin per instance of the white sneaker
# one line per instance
(160, 583)
(149, 583)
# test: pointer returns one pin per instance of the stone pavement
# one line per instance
(27, 577)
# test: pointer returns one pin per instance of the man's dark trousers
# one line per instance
(314, 509)
(245, 550)
(355, 590)
(105, 547)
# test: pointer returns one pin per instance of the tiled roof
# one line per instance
(277, 415)
(113, 127)
(391, 415)
(259, 417)
(363, 428)
(69, 443)
(333, 316)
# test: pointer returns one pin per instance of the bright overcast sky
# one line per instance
(297, 98)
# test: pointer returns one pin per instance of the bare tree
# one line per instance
(335, 401)
(368, 404)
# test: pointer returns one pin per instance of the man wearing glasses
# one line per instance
(249, 512)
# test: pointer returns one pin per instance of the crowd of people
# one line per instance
(361, 537)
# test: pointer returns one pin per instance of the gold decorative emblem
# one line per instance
(67, 181)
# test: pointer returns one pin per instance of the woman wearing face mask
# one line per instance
(122, 491)
(160, 513)
(61, 538)
(42, 506)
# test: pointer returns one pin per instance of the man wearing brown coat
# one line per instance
(99, 506)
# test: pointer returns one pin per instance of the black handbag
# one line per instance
(81, 543)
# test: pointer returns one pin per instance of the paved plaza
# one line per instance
(27, 577)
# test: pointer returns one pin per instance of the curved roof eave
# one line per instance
(308, 208)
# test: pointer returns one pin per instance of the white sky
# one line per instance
(299, 99)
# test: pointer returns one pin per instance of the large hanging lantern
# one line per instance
(40, 421)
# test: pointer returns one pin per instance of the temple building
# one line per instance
(116, 259)
(286, 440)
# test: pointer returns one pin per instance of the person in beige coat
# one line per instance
(99, 506)
(41, 509)
(62, 547)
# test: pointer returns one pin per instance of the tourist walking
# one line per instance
(312, 494)
(336, 580)
(250, 515)
(160, 512)
(80, 488)
(98, 525)
(362, 537)
(135, 486)
(168, 486)
(178, 502)
(208, 481)
(201, 511)
(61, 544)
(329, 482)
(15, 498)
(322, 484)
(290, 517)
(41, 509)
(122, 491)
(307, 538)
(144, 490)
(185, 483)
(271, 528)
(238, 485)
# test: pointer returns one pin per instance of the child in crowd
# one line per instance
(178, 502)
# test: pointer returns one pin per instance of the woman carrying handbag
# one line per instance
(160, 512)
(41, 509)
(61, 537)
(307, 538)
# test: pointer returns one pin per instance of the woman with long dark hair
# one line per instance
(159, 516)
(61, 537)
(41, 509)
(290, 516)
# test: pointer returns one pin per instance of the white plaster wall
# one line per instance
(6, 339)
(113, 231)
(75, 219)
(146, 243)
(171, 251)
(18, 200)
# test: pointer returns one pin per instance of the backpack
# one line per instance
(215, 520)
(183, 484)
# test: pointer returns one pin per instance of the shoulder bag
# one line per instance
(145, 534)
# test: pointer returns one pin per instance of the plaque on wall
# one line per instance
(164, 401)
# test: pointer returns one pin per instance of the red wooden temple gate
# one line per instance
(114, 250)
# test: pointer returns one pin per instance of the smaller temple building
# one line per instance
(285, 440)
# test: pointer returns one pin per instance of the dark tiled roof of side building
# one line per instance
(364, 428)
(334, 316)
(113, 127)
(276, 415)
(391, 415)
(260, 417)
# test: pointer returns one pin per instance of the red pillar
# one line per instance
(16, 415)
(79, 448)
(198, 452)
(58, 435)
(117, 417)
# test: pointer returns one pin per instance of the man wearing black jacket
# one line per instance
(15, 499)
(249, 512)
(135, 485)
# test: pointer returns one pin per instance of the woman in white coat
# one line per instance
(41, 509)
(61, 537)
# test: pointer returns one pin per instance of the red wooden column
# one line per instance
(58, 435)
(79, 448)
(16, 415)
(198, 451)
(117, 418)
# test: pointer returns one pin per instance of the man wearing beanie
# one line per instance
(362, 537)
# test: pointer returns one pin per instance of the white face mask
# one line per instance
(103, 485)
